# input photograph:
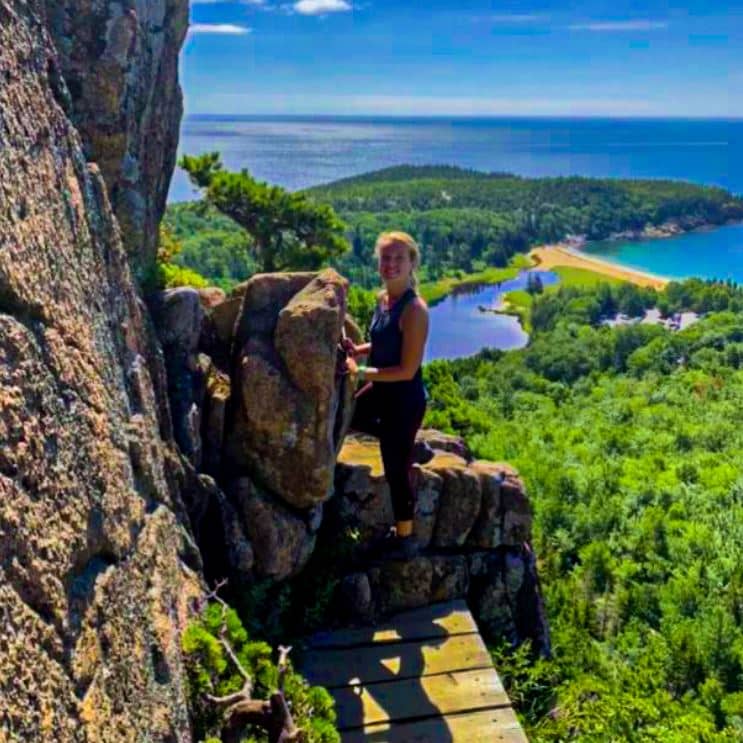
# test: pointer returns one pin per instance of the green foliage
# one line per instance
(288, 230)
(287, 611)
(211, 243)
(171, 276)
(584, 303)
(361, 305)
(211, 671)
(630, 445)
(165, 273)
(465, 219)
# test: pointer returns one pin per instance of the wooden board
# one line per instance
(484, 726)
(390, 662)
(424, 677)
(420, 697)
(438, 620)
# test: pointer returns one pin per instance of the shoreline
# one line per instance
(560, 254)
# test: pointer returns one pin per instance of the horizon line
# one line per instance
(466, 117)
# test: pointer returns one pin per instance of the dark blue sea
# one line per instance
(300, 152)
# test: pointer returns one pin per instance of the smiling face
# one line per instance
(395, 265)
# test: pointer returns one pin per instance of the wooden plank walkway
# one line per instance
(425, 677)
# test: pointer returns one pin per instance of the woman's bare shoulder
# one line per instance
(419, 304)
(416, 310)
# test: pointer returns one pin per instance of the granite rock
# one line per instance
(281, 541)
(460, 500)
(118, 82)
(283, 433)
(94, 544)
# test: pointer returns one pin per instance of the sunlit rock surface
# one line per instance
(97, 565)
(119, 63)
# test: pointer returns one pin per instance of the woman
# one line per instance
(392, 400)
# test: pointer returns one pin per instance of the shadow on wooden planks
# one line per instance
(426, 676)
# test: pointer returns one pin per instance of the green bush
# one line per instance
(211, 671)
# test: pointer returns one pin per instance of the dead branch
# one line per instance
(283, 664)
(273, 714)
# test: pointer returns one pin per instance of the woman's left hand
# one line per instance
(351, 365)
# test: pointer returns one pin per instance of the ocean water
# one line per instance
(708, 254)
(301, 152)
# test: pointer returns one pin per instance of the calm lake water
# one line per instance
(460, 328)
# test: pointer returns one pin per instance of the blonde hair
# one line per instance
(397, 237)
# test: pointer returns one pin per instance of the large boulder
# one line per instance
(362, 499)
(214, 414)
(283, 432)
(262, 297)
(461, 498)
(444, 442)
(505, 515)
(179, 318)
(119, 63)
(473, 522)
(282, 541)
(179, 315)
(398, 585)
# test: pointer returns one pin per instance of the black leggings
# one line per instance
(394, 417)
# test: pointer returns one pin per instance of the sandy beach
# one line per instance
(549, 256)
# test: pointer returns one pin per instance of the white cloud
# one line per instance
(320, 7)
(637, 25)
(229, 29)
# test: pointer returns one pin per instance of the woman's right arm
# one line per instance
(351, 348)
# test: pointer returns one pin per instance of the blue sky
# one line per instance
(471, 58)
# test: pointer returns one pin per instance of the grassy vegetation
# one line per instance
(519, 301)
(434, 291)
(583, 277)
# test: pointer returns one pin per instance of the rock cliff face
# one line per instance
(257, 402)
(94, 555)
(115, 461)
(119, 63)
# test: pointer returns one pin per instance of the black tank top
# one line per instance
(386, 343)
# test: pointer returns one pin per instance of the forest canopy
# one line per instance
(631, 445)
(464, 220)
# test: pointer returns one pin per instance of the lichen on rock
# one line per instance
(119, 65)
(94, 548)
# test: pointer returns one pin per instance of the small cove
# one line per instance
(707, 253)
(460, 328)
